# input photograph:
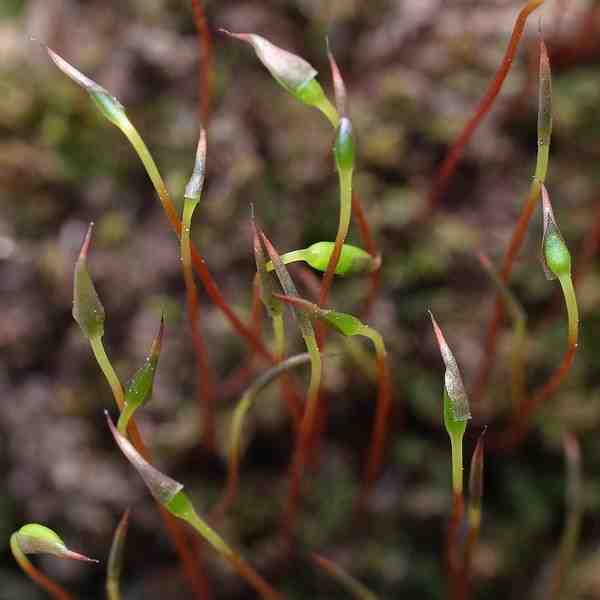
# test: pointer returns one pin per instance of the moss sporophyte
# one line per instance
(114, 111)
(292, 72)
(456, 412)
(544, 134)
(299, 78)
(349, 326)
(556, 260)
(34, 538)
(170, 495)
(352, 261)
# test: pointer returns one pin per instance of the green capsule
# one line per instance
(453, 425)
(555, 254)
(343, 149)
(343, 323)
(353, 260)
(87, 308)
(34, 538)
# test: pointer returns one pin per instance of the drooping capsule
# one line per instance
(34, 538)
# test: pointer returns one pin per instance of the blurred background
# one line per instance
(415, 71)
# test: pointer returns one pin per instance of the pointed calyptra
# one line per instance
(454, 387)
(273, 306)
(108, 105)
(292, 72)
(139, 388)
(544, 124)
(455, 410)
(339, 87)
(87, 308)
(193, 189)
(39, 539)
(161, 486)
(544, 97)
(289, 287)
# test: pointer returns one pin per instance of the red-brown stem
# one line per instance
(306, 430)
(380, 432)
(292, 399)
(465, 576)
(236, 381)
(215, 294)
(311, 282)
(491, 341)
(192, 568)
(207, 74)
(231, 486)
(301, 453)
(54, 589)
(371, 247)
(326, 286)
(210, 285)
(453, 554)
(288, 391)
(205, 380)
(510, 438)
(448, 167)
(253, 578)
(240, 377)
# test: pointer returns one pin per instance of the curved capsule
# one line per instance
(34, 538)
